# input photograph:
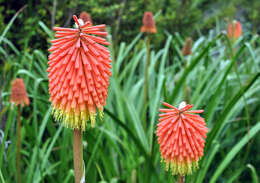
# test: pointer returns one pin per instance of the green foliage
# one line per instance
(125, 17)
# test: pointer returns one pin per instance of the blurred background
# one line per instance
(220, 75)
(187, 17)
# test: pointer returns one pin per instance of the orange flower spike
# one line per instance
(234, 29)
(18, 93)
(181, 136)
(148, 23)
(186, 50)
(86, 17)
(79, 71)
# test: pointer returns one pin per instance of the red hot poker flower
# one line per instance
(79, 70)
(86, 17)
(234, 29)
(186, 50)
(181, 136)
(148, 23)
(18, 93)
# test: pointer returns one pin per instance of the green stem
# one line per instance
(18, 145)
(78, 155)
(146, 87)
(185, 86)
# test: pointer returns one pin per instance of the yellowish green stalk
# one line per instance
(18, 145)
(146, 79)
(181, 179)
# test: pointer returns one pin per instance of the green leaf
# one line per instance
(253, 173)
(233, 152)
(11, 23)
(214, 133)
(187, 71)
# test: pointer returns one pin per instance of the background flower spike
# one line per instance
(234, 30)
(149, 25)
(86, 18)
(18, 93)
(19, 98)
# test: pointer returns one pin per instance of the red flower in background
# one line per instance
(181, 136)
(79, 70)
(148, 23)
(18, 93)
(234, 29)
(186, 50)
(86, 17)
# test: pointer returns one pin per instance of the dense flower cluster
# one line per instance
(234, 29)
(86, 17)
(18, 93)
(79, 71)
(148, 23)
(186, 50)
(181, 135)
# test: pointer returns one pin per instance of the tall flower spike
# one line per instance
(181, 136)
(79, 71)
(148, 23)
(186, 50)
(234, 29)
(86, 17)
(18, 93)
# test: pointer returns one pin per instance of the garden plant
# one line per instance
(158, 106)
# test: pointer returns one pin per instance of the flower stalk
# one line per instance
(148, 27)
(186, 50)
(181, 179)
(78, 155)
(18, 145)
(19, 98)
(146, 85)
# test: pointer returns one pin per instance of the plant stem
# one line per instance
(181, 179)
(18, 145)
(185, 86)
(146, 87)
(78, 155)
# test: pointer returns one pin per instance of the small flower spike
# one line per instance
(234, 30)
(181, 136)
(79, 71)
(186, 50)
(18, 93)
(86, 17)
(148, 23)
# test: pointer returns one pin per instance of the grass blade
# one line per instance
(222, 119)
(254, 130)
(253, 173)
